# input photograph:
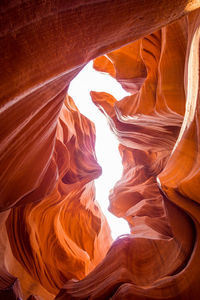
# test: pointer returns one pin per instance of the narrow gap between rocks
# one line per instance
(106, 143)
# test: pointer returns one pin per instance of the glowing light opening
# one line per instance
(106, 143)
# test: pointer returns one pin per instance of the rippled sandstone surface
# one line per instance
(54, 238)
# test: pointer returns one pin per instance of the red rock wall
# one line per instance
(158, 191)
(64, 235)
(52, 230)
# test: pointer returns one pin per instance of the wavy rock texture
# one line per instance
(158, 192)
(67, 225)
(51, 228)
(9, 286)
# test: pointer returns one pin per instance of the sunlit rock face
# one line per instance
(158, 194)
(54, 238)
(64, 234)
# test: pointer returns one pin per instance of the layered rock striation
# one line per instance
(54, 237)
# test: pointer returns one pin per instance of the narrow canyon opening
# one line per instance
(106, 147)
(55, 243)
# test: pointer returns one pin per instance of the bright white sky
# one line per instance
(106, 143)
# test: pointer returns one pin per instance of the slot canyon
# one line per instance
(55, 242)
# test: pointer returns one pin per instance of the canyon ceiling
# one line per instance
(55, 242)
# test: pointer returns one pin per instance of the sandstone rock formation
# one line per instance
(54, 237)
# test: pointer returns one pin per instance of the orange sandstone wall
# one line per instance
(52, 229)
(64, 235)
(158, 194)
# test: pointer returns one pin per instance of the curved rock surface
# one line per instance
(54, 237)
(159, 259)
(64, 235)
(9, 286)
